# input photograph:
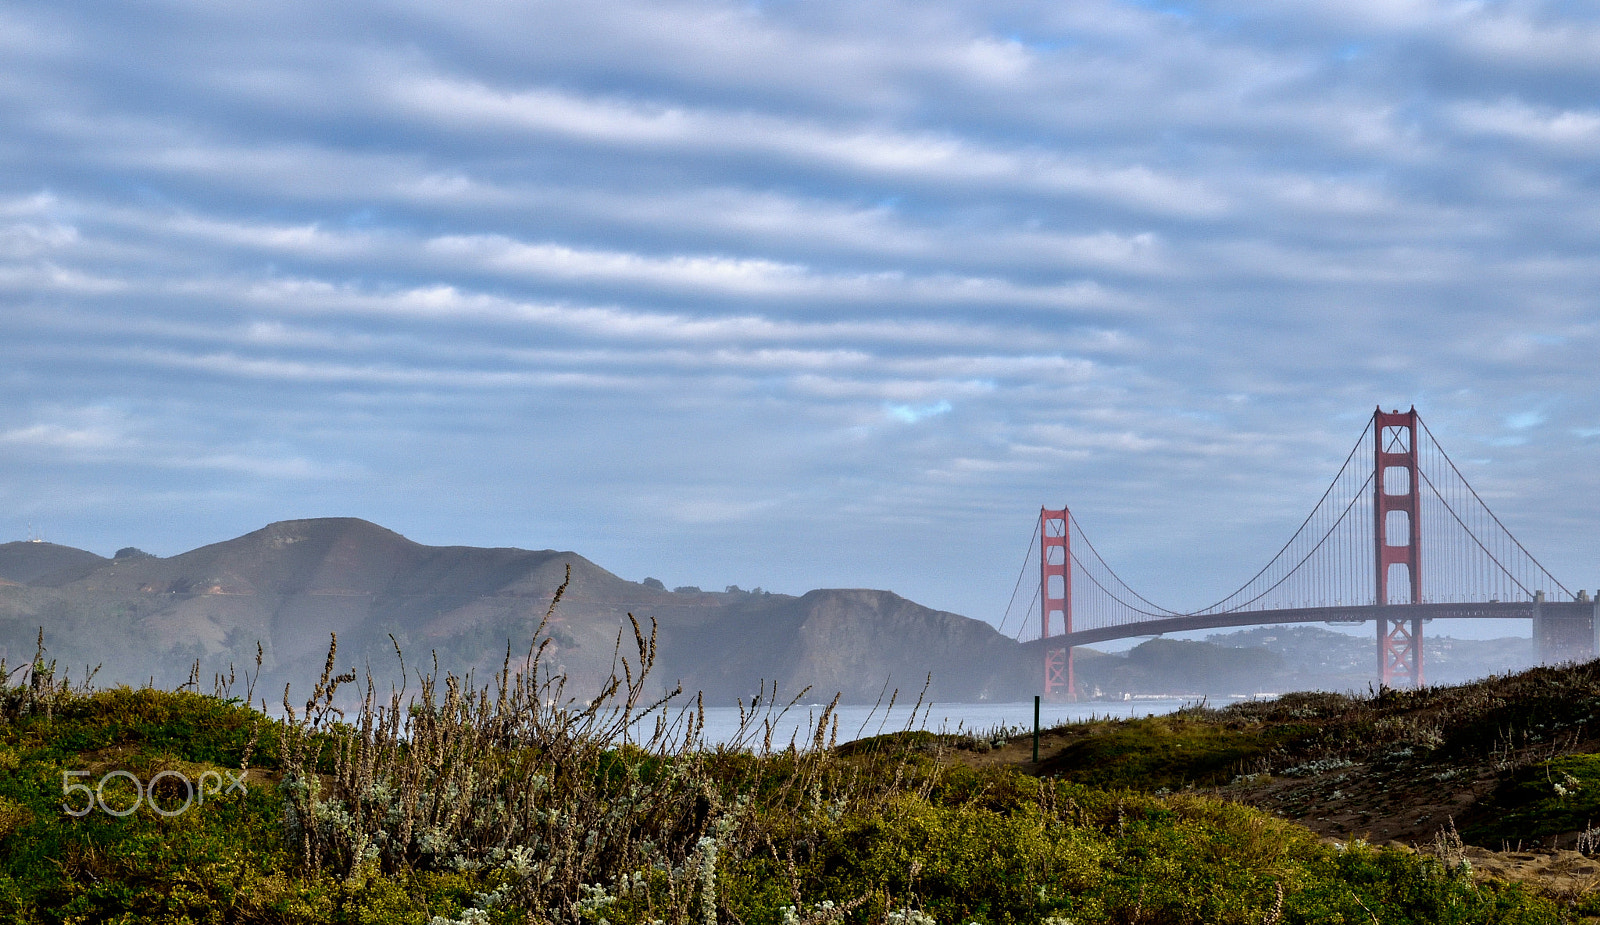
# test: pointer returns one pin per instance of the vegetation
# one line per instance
(1561, 795)
(511, 801)
(1167, 752)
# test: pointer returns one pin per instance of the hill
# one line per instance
(1285, 658)
(1313, 658)
(289, 585)
(35, 562)
(1505, 763)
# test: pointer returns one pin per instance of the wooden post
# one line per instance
(1035, 728)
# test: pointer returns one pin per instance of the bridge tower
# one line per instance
(1397, 534)
(1055, 600)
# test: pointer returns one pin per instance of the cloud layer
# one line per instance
(793, 294)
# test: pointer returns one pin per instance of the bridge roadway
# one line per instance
(1575, 619)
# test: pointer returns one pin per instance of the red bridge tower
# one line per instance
(1397, 533)
(1055, 600)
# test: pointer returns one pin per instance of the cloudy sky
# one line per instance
(794, 294)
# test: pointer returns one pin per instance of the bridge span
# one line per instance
(1563, 631)
(1399, 511)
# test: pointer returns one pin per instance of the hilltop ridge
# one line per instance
(290, 584)
(34, 562)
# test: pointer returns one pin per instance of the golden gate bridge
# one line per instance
(1399, 538)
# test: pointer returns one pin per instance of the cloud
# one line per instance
(920, 158)
(911, 414)
(89, 438)
(502, 273)
(61, 437)
(1568, 130)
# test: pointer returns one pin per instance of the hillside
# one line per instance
(1403, 806)
(43, 563)
(290, 584)
(503, 805)
(1510, 763)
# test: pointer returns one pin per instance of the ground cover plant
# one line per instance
(516, 800)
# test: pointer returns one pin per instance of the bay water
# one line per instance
(860, 721)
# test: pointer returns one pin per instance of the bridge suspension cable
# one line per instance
(1156, 610)
(1263, 579)
(1512, 563)
(1027, 560)
(1468, 554)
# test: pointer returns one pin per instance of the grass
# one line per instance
(1560, 795)
(516, 801)
(1172, 752)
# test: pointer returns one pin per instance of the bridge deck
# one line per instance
(1523, 610)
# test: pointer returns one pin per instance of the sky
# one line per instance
(794, 294)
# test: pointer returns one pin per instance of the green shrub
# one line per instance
(1552, 797)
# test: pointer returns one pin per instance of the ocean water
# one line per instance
(800, 722)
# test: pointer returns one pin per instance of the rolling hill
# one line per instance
(289, 585)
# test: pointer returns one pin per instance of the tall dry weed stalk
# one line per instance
(567, 805)
(40, 688)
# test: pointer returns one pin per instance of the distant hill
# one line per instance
(45, 563)
(1274, 659)
(288, 585)
(1176, 666)
(850, 641)
(1314, 658)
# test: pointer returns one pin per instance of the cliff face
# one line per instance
(290, 584)
(848, 637)
(854, 642)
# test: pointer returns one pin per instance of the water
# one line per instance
(860, 721)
